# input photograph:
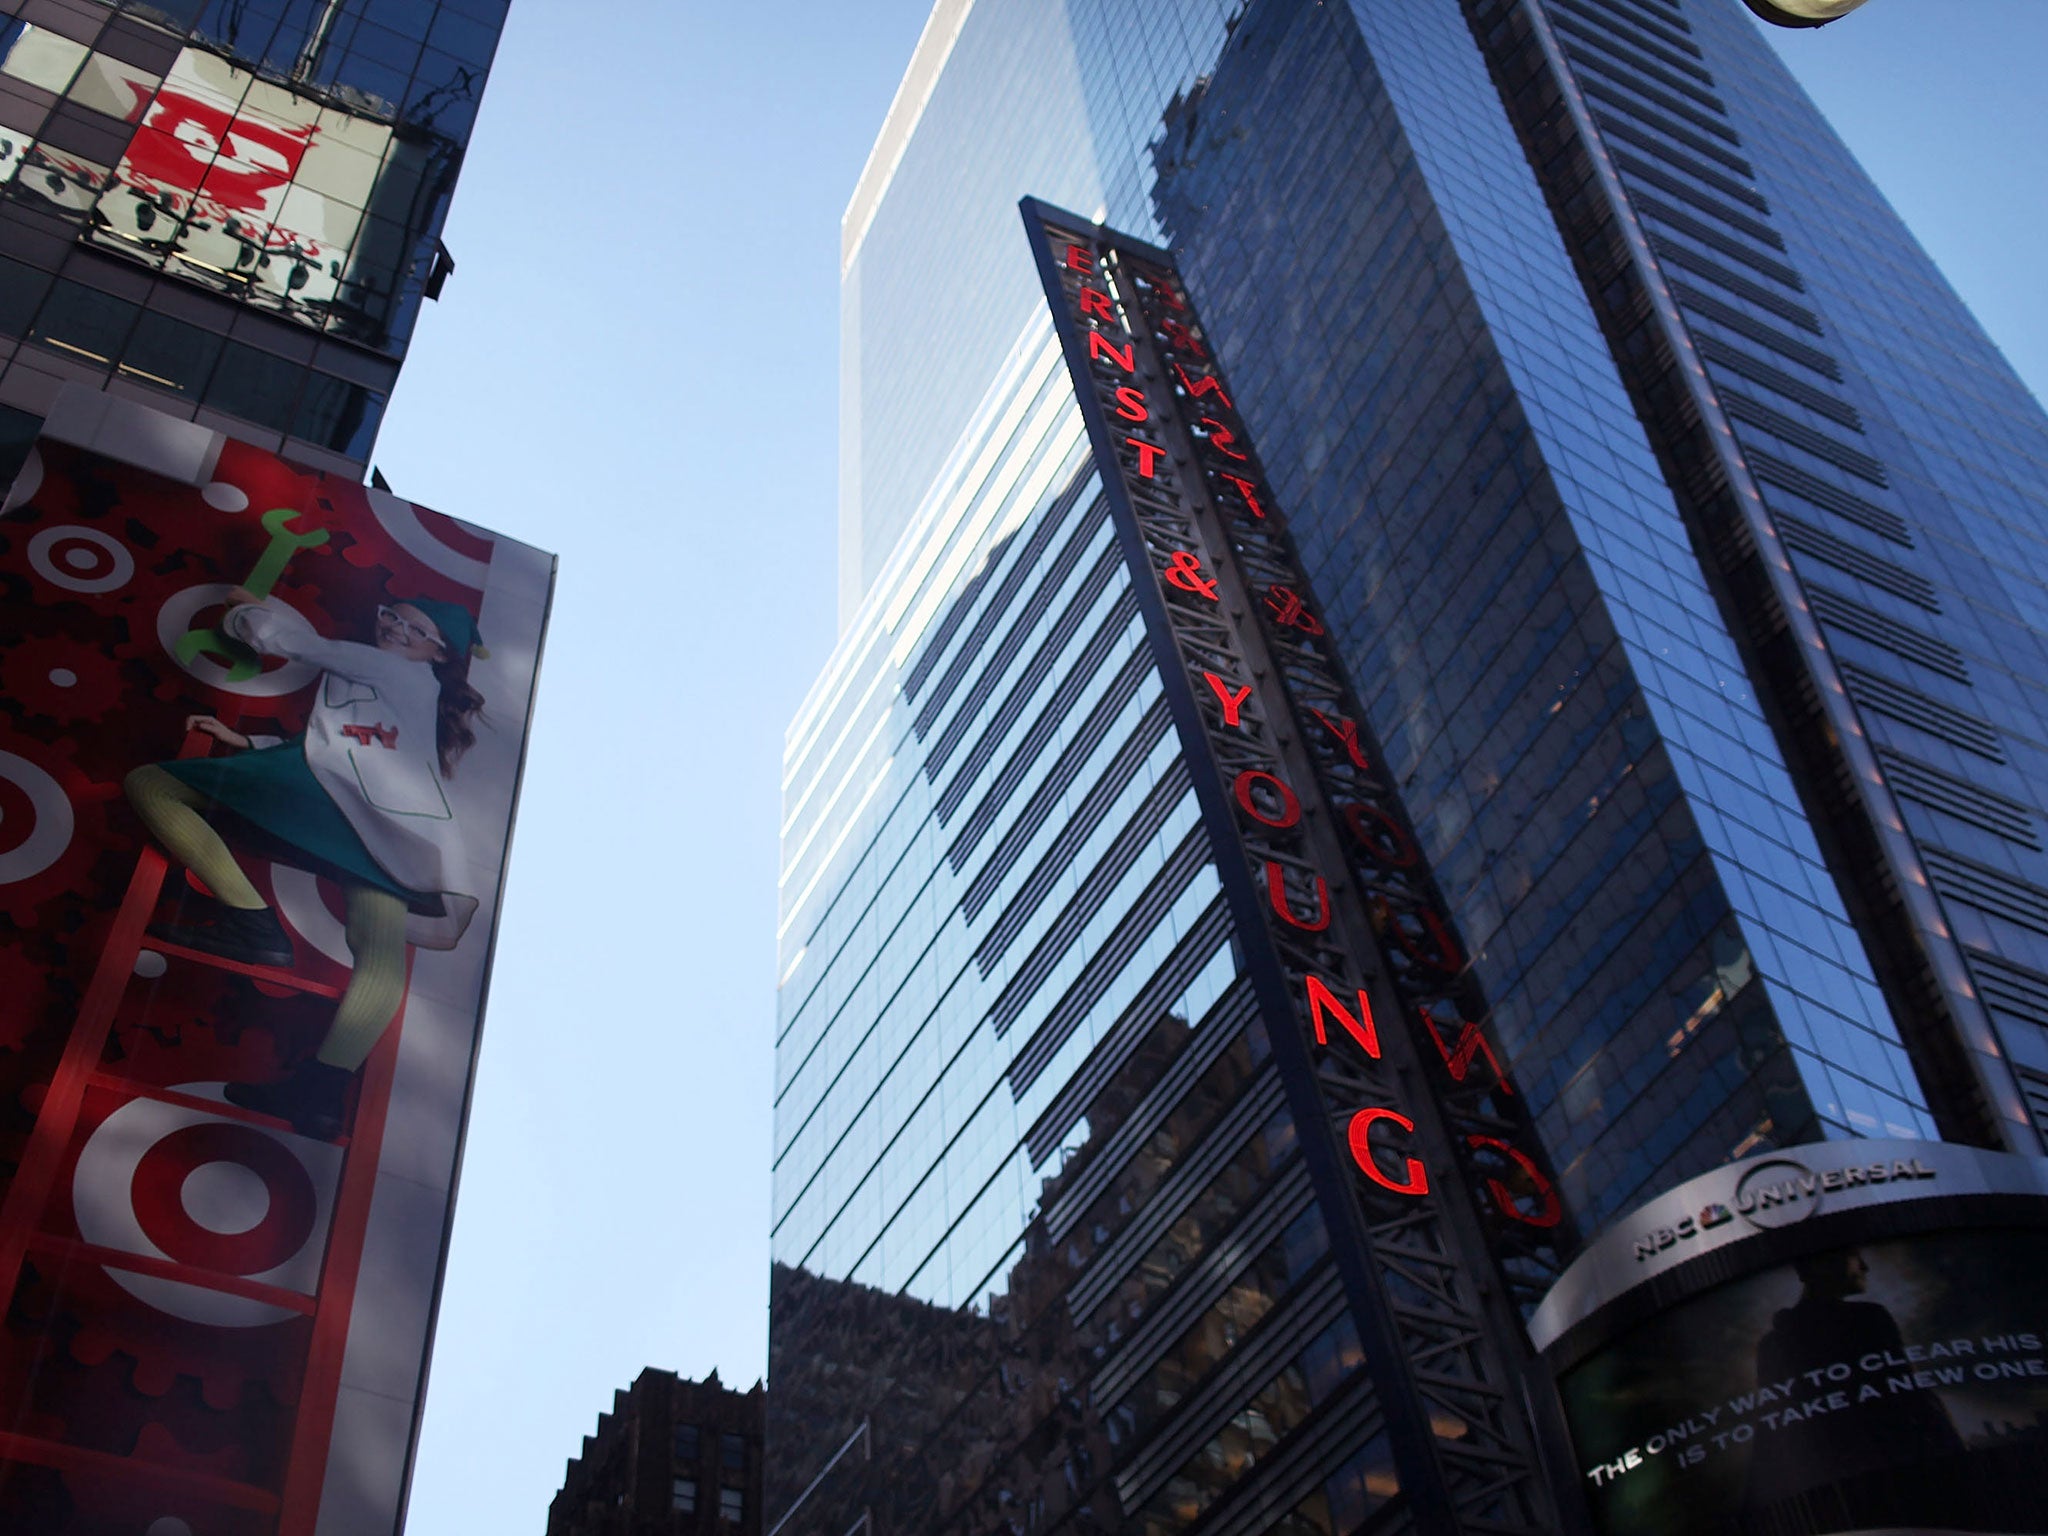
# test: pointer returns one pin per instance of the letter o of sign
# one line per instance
(1290, 808)
(1380, 835)
(1416, 1180)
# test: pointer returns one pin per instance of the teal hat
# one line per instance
(457, 626)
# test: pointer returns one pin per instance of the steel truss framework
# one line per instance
(1441, 1213)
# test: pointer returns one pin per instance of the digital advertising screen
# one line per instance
(261, 732)
(1882, 1385)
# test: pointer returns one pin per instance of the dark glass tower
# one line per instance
(1677, 530)
(229, 210)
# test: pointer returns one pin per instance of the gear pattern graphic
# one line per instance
(52, 679)
(438, 555)
(22, 984)
(215, 1401)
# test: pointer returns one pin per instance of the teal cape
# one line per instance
(274, 790)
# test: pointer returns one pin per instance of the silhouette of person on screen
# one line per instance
(1826, 1327)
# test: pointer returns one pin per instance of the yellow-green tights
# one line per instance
(375, 929)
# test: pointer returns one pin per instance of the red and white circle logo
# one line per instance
(174, 1183)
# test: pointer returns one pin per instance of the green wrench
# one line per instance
(241, 663)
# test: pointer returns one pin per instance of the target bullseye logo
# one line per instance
(224, 1197)
(171, 1182)
(36, 821)
(177, 616)
(80, 559)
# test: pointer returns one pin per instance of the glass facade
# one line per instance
(1677, 528)
(231, 210)
(1860, 469)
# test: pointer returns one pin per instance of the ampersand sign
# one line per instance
(1184, 570)
(1290, 612)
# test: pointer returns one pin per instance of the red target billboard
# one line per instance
(260, 739)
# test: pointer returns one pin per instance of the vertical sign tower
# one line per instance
(1440, 1210)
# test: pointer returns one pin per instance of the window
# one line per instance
(84, 322)
(732, 1504)
(39, 56)
(171, 354)
(21, 290)
(683, 1498)
(18, 431)
(732, 1452)
(337, 414)
(686, 1443)
(256, 386)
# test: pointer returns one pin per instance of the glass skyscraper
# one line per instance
(1679, 533)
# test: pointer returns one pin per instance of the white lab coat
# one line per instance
(385, 778)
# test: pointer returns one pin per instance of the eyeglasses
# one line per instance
(406, 627)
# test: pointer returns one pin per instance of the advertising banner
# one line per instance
(1841, 1338)
(243, 182)
(261, 732)
(1900, 1383)
(237, 182)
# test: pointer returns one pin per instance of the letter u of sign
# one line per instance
(1276, 891)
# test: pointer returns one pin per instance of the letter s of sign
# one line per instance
(1130, 403)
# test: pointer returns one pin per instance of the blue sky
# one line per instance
(634, 365)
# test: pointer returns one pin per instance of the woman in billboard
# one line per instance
(360, 796)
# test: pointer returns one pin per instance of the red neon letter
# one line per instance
(1290, 808)
(1433, 946)
(1203, 384)
(1095, 302)
(1549, 1209)
(1079, 259)
(1381, 835)
(1148, 455)
(1471, 1043)
(1345, 731)
(1232, 702)
(1221, 437)
(1360, 1134)
(1179, 336)
(1100, 346)
(1130, 403)
(1184, 570)
(1322, 1001)
(1276, 889)
(1244, 489)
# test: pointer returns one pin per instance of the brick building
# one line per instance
(671, 1456)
